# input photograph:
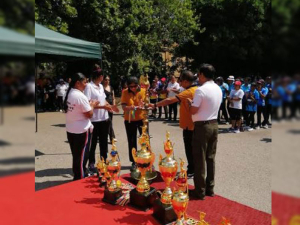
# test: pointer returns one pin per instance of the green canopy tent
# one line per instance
(14, 46)
(53, 46)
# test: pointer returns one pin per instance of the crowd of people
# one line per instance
(204, 102)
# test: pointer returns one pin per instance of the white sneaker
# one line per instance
(257, 128)
(227, 123)
(236, 131)
(60, 110)
(250, 129)
(265, 126)
(246, 127)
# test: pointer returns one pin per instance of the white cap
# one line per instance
(230, 77)
(61, 80)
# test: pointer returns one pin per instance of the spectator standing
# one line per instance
(153, 97)
(61, 90)
(173, 89)
(268, 99)
(162, 94)
(252, 97)
(110, 98)
(235, 104)
(224, 88)
(261, 104)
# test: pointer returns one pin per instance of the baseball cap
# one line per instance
(230, 77)
(239, 83)
(61, 80)
(163, 79)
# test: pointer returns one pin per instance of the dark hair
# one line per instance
(188, 76)
(76, 77)
(132, 80)
(97, 72)
(207, 70)
(105, 76)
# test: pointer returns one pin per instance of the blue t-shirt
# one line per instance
(261, 101)
(252, 106)
(278, 96)
(269, 95)
(230, 87)
(224, 88)
(246, 87)
(290, 88)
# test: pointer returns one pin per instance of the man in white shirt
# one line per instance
(204, 109)
(173, 88)
(61, 90)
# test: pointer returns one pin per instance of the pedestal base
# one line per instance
(143, 201)
(112, 197)
(164, 214)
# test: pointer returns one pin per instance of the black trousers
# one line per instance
(100, 132)
(173, 108)
(111, 131)
(268, 113)
(131, 131)
(187, 140)
(250, 118)
(160, 110)
(224, 112)
(60, 102)
(260, 111)
(205, 138)
(80, 145)
(154, 110)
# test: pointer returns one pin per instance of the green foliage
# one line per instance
(236, 36)
(132, 31)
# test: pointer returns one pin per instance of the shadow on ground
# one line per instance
(48, 184)
(59, 125)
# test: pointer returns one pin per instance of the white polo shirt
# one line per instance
(96, 92)
(172, 86)
(209, 98)
(61, 90)
(236, 94)
(78, 104)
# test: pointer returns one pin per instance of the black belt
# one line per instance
(206, 122)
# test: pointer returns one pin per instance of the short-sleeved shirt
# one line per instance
(252, 106)
(162, 87)
(236, 94)
(185, 120)
(224, 88)
(173, 86)
(130, 99)
(261, 101)
(208, 98)
(246, 87)
(78, 104)
(61, 90)
(94, 92)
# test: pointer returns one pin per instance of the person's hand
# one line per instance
(108, 107)
(94, 103)
(190, 101)
(151, 106)
(115, 108)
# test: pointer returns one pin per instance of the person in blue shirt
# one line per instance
(252, 98)
(230, 83)
(246, 88)
(224, 87)
(261, 103)
(268, 99)
(287, 100)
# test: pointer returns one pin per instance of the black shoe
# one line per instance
(195, 196)
(210, 193)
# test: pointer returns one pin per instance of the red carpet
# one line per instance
(285, 209)
(218, 207)
(80, 203)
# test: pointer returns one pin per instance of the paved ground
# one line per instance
(243, 162)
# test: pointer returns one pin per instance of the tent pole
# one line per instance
(2, 106)
(36, 115)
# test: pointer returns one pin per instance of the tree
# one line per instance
(235, 38)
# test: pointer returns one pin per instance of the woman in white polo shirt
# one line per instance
(79, 127)
(100, 120)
